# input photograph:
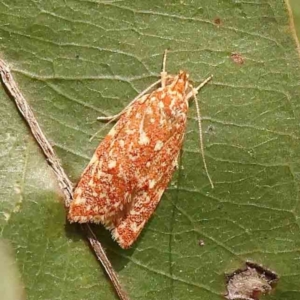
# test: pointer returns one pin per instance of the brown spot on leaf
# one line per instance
(218, 21)
(237, 58)
(250, 283)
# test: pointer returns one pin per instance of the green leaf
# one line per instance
(76, 60)
(10, 286)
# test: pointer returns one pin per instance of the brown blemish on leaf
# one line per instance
(250, 283)
(218, 21)
(237, 58)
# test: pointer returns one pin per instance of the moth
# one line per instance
(131, 168)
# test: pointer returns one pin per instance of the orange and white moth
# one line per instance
(131, 168)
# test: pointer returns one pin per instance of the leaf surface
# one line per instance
(76, 60)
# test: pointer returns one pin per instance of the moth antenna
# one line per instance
(195, 91)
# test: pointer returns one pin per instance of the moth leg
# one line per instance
(178, 159)
(163, 73)
(130, 228)
(111, 118)
(117, 116)
(176, 164)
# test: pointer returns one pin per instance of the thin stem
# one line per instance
(62, 178)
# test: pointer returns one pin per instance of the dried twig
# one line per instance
(62, 178)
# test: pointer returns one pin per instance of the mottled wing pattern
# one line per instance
(132, 166)
(149, 192)
(101, 194)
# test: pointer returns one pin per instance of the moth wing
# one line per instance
(149, 193)
(92, 198)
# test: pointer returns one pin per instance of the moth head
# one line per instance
(181, 82)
